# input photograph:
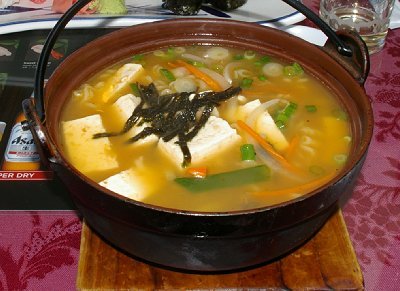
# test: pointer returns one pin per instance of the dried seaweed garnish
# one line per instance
(172, 115)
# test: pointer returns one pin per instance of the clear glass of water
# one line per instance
(370, 18)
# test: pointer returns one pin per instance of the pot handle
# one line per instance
(45, 54)
(47, 152)
(345, 46)
(357, 64)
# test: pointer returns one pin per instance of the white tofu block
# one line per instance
(125, 75)
(88, 155)
(244, 111)
(266, 127)
(127, 183)
(123, 108)
(215, 137)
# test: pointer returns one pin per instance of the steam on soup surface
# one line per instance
(206, 128)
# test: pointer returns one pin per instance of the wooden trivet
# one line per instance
(325, 262)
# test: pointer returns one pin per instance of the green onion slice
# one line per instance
(248, 153)
(246, 83)
(135, 89)
(340, 159)
(282, 117)
(137, 58)
(248, 55)
(311, 108)
(167, 74)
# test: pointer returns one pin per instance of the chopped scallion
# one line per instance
(167, 74)
(248, 153)
(249, 55)
(137, 58)
(339, 114)
(238, 57)
(282, 117)
(262, 78)
(262, 61)
(170, 51)
(159, 53)
(340, 159)
(265, 59)
(135, 89)
(347, 138)
(293, 70)
(311, 108)
(298, 68)
(246, 83)
(280, 124)
(317, 170)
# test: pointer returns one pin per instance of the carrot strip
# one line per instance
(173, 65)
(266, 146)
(199, 74)
(302, 189)
(199, 172)
(293, 144)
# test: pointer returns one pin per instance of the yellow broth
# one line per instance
(318, 132)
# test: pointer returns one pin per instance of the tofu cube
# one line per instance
(123, 108)
(245, 110)
(215, 136)
(88, 155)
(127, 183)
(127, 74)
(266, 127)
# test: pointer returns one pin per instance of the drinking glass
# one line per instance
(370, 18)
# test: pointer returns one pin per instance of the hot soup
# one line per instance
(206, 128)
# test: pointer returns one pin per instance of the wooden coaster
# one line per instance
(325, 262)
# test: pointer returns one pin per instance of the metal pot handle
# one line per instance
(358, 63)
(47, 151)
(341, 47)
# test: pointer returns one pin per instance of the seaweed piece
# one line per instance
(172, 115)
(183, 7)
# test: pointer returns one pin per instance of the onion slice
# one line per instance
(253, 116)
(217, 77)
(227, 71)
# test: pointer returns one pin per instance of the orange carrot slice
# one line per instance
(198, 172)
(199, 74)
(266, 146)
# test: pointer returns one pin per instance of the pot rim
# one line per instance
(357, 156)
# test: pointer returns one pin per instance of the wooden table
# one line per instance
(327, 261)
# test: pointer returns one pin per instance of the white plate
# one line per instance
(28, 16)
(310, 34)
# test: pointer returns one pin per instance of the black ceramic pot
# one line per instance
(206, 241)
